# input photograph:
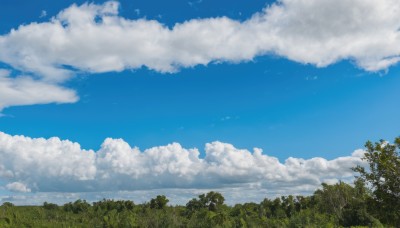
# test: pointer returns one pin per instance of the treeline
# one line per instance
(372, 201)
(332, 206)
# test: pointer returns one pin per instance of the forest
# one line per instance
(373, 200)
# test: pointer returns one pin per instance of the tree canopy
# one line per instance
(383, 177)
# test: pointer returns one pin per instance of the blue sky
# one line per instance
(286, 108)
(292, 100)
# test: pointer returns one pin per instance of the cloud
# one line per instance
(53, 165)
(24, 90)
(94, 38)
(17, 187)
(43, 13)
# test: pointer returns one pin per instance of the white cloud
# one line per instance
(24, 90)
(17, 187)
(94, 38)
(54, 165)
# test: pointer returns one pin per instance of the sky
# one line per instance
(130, 99)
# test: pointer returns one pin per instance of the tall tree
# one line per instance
(160, 202)
(334, 198)
(383, 177)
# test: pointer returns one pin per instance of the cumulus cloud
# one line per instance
(54, 165)
(94, 38)
(17, 187)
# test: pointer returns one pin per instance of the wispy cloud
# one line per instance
(311, 78)
(193, 3)
(25, 90)
(43, 14)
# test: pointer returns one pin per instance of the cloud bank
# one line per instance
(41, 165)
(94, 38)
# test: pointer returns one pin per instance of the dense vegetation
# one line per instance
(372, 201)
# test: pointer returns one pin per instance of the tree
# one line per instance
(108, 205)
(7, 204)
(383, 178)
(192, 206)
(334, 198)
(288, 204)
(77, 207)
(50, 206)
(213, 200)
(159, 202)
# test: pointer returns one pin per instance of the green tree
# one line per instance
(50, 206)
(288, 204)
(7, 204)
(159, 202)
(108, 205)
(383, 177)
(356, 212)
(334, 198)
(212, 200)
(77, 207)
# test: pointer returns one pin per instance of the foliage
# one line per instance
(77, 206)
(159, 202)
(211, 201)
(334, 198)
(208, 210)
(383, 178)
(109, 205)
(50, 206)
(7, 204)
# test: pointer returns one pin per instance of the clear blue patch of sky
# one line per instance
(288, 109)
